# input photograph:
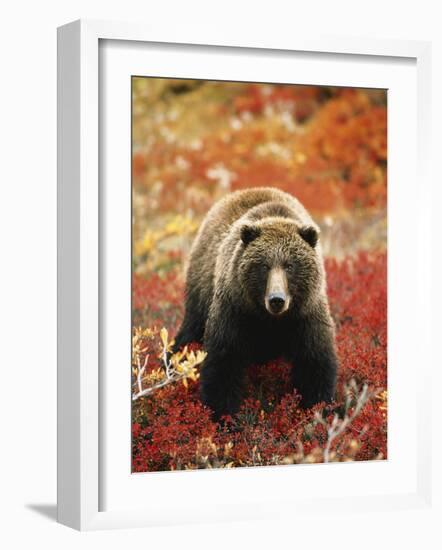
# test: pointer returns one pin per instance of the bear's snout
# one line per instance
(277, 302)
(277, 299)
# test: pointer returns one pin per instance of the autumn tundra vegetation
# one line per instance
(196, 141)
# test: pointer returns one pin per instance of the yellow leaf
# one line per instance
(164, 335)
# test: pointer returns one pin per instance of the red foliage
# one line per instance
(173, 430)
(302, 101)
(335, 161)
(158, 300)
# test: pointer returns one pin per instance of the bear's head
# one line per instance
(278, 269)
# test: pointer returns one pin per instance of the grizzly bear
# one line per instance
(256, 291)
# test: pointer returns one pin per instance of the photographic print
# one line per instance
(259, 274)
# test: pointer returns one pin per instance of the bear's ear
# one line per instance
(310, 235)
(249, 233)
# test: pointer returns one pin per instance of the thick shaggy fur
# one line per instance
(243, 237)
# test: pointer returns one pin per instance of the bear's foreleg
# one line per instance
(314, 360)
(222, 373)
(222, 384)
(193, 325)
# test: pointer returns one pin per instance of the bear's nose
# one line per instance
(276, 302)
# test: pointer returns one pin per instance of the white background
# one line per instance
(27, 301)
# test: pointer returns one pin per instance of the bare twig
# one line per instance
(151, 389)
(338, 426)
(141, 371)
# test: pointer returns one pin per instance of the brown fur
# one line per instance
(243, 237)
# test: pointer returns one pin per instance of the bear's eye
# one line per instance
(290, 267)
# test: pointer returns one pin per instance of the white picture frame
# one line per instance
(80, 293)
